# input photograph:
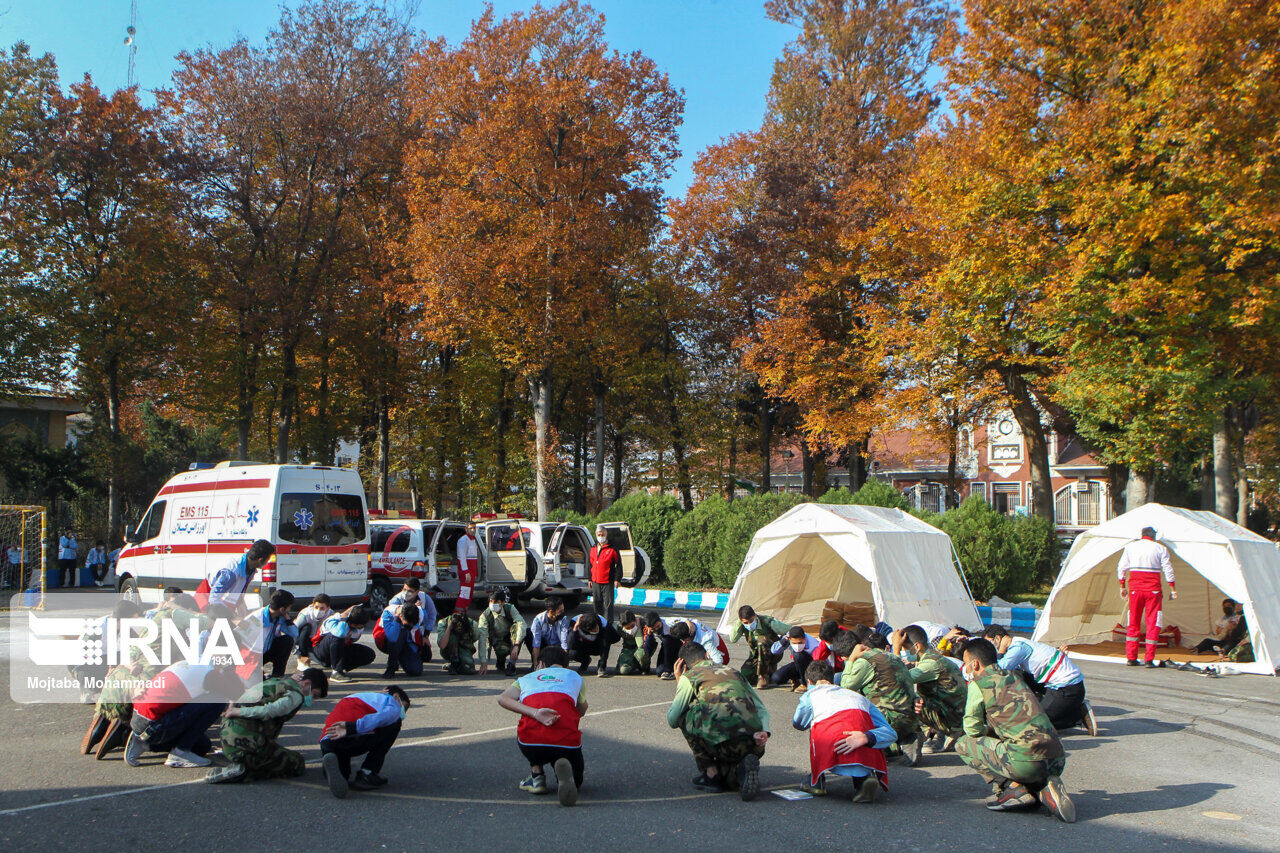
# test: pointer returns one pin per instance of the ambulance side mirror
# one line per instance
(132, 535)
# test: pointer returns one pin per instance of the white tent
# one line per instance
(815, 553)
(1212, 559)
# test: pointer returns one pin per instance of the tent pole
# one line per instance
(955, 556)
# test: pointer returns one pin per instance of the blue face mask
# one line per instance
(909, 657)
(403, 710)
(308, 700)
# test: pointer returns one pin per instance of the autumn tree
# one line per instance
(537, 173)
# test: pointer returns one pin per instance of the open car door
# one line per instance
(505, 543)
(551, 556)
(635, 562)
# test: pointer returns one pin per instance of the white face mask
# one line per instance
(495, 606)
(752, 625)
(797, 649)
(633, 631)
(601, 538)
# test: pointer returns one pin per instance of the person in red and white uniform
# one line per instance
(468, 568)
(361, 724)
(550, 701)
(174, 712)
(1140, 569)
(847, 736)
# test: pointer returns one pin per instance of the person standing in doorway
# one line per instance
(468, 568)
(1140, 569)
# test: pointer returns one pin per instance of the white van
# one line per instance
(314, 515)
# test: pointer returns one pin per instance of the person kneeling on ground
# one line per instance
(631, 658)
(335, 646)
(660, 646)
(1022, 759)
(801, 648)
(174, 711)
(883, 679)
(762, 633)
(411, 593)
(723, 720)
(1049, 672)
(251, 728)
(308, 622)
(550, 701)
(456, 637)
(941, 689)
(502, 630)
(361, 724)
(847, 736)
(397, 634)
(277, 632)
(591, 638)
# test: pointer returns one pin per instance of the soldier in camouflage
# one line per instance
(883, 678)
(456, 638)
(252, 724)
(502, 630)
(722, 719)
(1022, 759)
(631, 659)
(762, 633)
(941, 689)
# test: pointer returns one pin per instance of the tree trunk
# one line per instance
(766, 441)
(244, 420)
(858, 464)
(114, 531)
(324, 442)
(662, 478)
(1242, 483)
(540, 396)
(600, 438)
(288, 400)
(1139, 490)
(1223, 481)
(619, 446)
(577, 473)
(806, 469)
(1206, 484)
(953, 471)
(1028, 418)
(384, 449)
(731, 487)
(500, 449)
(683, 481)
(1117, 486)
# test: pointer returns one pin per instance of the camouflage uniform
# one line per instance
(504, 631)
(631, 659)
(722, 717)
(884, 680)
(761, 661)
(1025, 748)
(461, 650)
(941, 686)
(252, 741)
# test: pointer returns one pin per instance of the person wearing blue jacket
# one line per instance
(335, 643)
(279, 634)
(361, 724)
(398, 634)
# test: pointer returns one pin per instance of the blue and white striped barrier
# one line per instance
(1013, 618)
(670, 599)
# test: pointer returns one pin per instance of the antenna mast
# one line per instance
(128, 39)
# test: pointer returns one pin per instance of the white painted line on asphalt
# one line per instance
(421, 742)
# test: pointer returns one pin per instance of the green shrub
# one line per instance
(690, 549)
(1002, 555)
(872, 493)
(732, 535)
(652, 519)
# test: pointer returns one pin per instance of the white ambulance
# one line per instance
(314, 515)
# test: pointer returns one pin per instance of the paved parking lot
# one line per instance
(1182, 762)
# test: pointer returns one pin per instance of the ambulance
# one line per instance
(314, 515)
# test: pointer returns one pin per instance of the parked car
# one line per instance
(313, 514)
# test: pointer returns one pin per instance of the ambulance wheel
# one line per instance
(380, 594)
(129, 590)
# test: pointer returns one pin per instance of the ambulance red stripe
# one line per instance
(182, 488)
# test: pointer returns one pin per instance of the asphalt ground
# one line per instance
(1181, 762)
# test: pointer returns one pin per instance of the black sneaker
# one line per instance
(376, 779)
(1014, 798)
(1151, 664)
(366, 781)
(749, 778)
(388, 673)
(711, 786)
(510, 669)
(866, 789)
(1131, 662)
(426, 654)
(333, 773)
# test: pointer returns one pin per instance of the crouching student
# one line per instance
(278, 633)
(940, 689)
(457, 636)
(801, 648)
(847, 736)
(174, 711)
(412, 593)
(397, 635)
(550, 701)
(761, 633)
(502, 631)
(361, 724)
(883, 678)
(591, 638)
(722, 719)
(334, 645)
(251, 728)
(1022, 759)
(631, 658)
(660, 646)
(308, 622)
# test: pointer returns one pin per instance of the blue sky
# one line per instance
(720, 52)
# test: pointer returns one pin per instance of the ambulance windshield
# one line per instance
(325, 520)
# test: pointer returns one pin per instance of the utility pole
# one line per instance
(130, 32)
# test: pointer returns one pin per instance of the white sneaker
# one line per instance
(182, 758)
(134, 749)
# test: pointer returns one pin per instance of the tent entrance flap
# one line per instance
(797, 582)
